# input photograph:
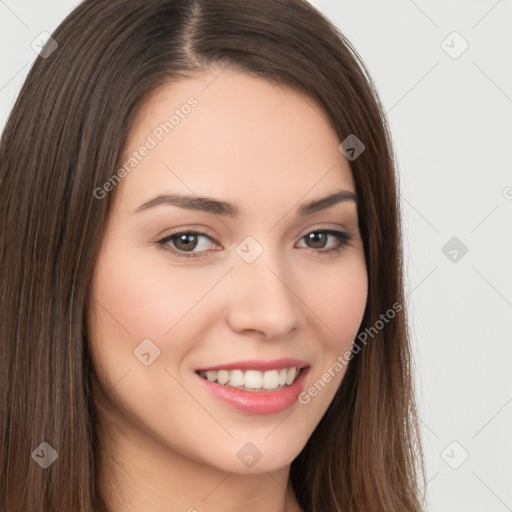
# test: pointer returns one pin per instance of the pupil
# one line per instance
(188, 241)
(313, 236)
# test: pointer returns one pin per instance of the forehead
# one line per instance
(232, 135)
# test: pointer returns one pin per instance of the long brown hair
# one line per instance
(64, 139)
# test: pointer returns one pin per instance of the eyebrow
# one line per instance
(216, 207)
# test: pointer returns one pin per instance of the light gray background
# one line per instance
(451, 123)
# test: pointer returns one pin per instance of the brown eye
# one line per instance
(185, 242)
(318, 239)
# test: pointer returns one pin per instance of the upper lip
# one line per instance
(259, 364)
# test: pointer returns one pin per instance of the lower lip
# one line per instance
(258, 402)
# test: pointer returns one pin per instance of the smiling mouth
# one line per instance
(253, 380)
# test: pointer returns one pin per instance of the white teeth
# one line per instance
(270, 379)
(236, 378)
(211, 375)
(222, 376)
(252, 379)
(290, 377)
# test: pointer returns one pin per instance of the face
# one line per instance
(179, 290)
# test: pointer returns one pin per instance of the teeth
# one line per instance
(222, 376)
(252, 379)
(236, 378)
(270, 379)
(290, 376)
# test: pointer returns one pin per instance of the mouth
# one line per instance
(254, 380)
(265, 391)
(255, 375)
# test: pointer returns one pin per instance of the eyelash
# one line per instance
(343, 238)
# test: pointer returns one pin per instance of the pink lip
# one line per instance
(258, 402)
(259, 364)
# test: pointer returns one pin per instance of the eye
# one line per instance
(319, 238)
(183, 243)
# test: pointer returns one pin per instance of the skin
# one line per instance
(167, 443)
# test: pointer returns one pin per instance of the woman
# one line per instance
(202, 298)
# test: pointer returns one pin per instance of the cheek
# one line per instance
(338, 300)
(148, 298)
(135, 300)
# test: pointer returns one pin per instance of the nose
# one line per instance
(261, 297)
